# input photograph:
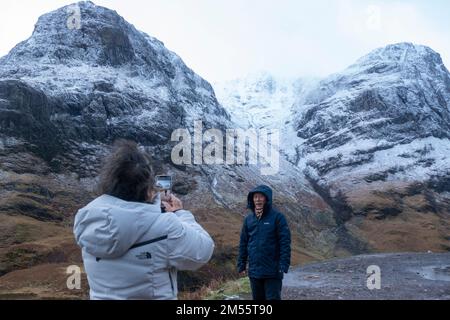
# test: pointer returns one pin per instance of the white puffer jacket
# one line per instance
(133, 251)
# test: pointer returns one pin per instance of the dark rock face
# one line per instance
(184, 187)
(25, 113)
(117, 47)
(70, 92)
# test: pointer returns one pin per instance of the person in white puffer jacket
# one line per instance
(130, 249)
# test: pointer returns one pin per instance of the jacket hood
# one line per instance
(267, 191)
(108, 226)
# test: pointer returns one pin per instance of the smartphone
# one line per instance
(163, 183)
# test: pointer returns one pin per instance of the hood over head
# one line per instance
(267, 191)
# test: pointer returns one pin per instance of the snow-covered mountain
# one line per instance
(386, 117)
(264, 101)
(261, 100)
(391, 109)
(372, 139)
(85, 87)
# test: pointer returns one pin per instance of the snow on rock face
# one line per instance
(370, 121)
(393, 99)
(264, 101)
(103, 81)
(261, 100)
(405, 88)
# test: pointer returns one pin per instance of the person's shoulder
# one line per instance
(102, 200)
(248, 215)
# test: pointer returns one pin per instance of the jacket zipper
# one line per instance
(141, 244)
(171, 282)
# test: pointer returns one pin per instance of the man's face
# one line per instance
(259, 200)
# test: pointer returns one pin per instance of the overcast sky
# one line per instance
(226, 39)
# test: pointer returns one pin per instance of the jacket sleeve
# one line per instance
(243, 251)
(189, 245)
(284, 239)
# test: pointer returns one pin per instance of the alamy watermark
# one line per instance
(233, 147)
(373, 21)
(74, 280)
(74, 19)
(373, 277)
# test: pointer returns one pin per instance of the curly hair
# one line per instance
(127, 173)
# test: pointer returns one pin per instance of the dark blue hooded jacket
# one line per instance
(265, 243)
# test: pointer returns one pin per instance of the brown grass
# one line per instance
(20, 229)
(46, 281)
(417, 228)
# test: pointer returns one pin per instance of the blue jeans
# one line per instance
(266, 289)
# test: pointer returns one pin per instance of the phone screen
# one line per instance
(164, 182)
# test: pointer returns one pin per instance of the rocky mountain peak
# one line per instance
(86, 76)
(90, 33)
(84, 39)
(408, 59)
(404, 52)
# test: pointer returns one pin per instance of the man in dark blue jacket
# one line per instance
(266, 245)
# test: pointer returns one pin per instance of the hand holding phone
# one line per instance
(164, 184)
(173, 204)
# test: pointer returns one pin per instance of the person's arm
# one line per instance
(243, 251)
(189, 245)
(284, 239)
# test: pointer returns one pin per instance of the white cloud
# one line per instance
(367, 25)
(223, 39)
